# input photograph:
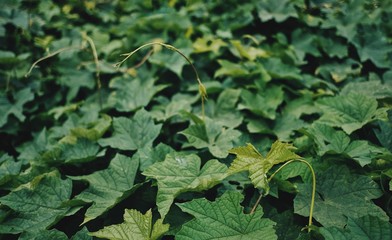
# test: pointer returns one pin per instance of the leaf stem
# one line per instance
(96, 61)
(202, 88)
(310, 223)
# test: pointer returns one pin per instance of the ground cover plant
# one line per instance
(196, 119)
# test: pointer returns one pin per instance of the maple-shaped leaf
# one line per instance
(340, 195)
(331, 141)
(131, 134)
(224, 219)
(37, 205)
(350, 112)
(249, 159)
(211, 135)
(180, 173)
(109, 186)
(131, 94)
(136, 226)
(366, 227)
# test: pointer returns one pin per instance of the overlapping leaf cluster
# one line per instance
(88, 150)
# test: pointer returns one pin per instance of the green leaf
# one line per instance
(373, 89)
(277, 10)
(37, 205)
(180, 173)
(43, 235)
(248, 52)
(8, 168)
(350, 112)
(339, 195)
(224, 111)
(83, 234)
(131, 134)
(211, 135)
(340, 71)
(82, 151)
(149, 155)
(168, 109)
(131, 94)
(385, 132)
(109, 186)
(366, 227)
(249, 159)
(208, 44)
(15, 106)
(224, 219)
(230, 69)
(136, 226)
(263, 103)
(330, 141)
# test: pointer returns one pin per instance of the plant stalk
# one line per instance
(310, 223)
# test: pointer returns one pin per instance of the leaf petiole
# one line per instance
(310, 223)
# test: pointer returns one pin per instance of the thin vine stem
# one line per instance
(202, 88)
(96, 61)
(310, 223)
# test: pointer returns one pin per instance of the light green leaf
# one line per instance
(131, 134)
(136, 226)
(37, 205)
(263, 103)
(180, 173)
(211, 135)
(339, 195)
(150, 155)
(170, 108)
(230, 69)
(109, 186)
(340, 71)
(208, 44)
(249, 159)
(131, 94)
(350, 112)
(224, 219)
(248, 52)
(15, 107)
(367, 227)
(277, 10)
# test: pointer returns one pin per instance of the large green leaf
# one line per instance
(136, 226)
(180, 173)
(224, 219)
(131, 134)
(367, 227)
(8, 168)
(38, 205)
(249, 159)
(109, 186)
(263, 103)
(350, 112)
(15, 106)
(330, 141)
(211, 135)
(339, 195)
(385, 132)
(277, 10)
(131, 94)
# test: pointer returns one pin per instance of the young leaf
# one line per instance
(224, 219)
(350, 112)
(132, 134)
(366, 227)
(340, 195)
(180, 173)
(38, 205)
(249, 159)
(211, 135)
(136, 226)
(108, 186)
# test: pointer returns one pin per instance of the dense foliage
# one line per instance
(88, 150)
